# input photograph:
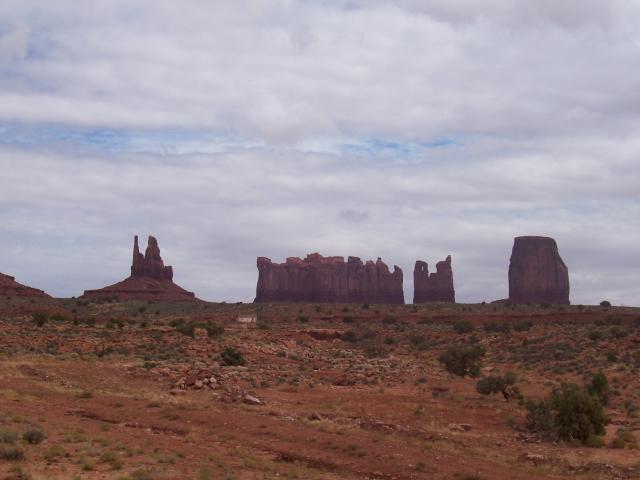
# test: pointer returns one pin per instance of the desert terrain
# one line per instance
(150, 390)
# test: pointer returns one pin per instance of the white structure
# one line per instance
(247, 318)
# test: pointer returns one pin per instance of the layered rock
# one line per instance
(329, 280)
(150, 279)
(537, 274)
(10, 288)
(434, 287)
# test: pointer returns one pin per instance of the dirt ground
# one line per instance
(138, 390)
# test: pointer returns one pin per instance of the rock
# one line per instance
(459, 427)
(537, 274)
(251, 400)
(10, 288)
(435, 287)
(198, 384)
(324, 334)
(535, 458)
(328, 279)
(150, 279)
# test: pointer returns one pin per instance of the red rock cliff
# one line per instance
(150, 279)
(435, 287)
(328, 279)
(10, 288)
(537, 274)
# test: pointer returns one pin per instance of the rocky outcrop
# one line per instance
(150, 279)
(10, 288)
(537, 274)
(434, 287)
(328, 279)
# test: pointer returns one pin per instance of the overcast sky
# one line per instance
(402, 129)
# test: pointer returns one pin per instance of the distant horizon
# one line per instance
(408, 294)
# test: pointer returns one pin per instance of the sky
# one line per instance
(407, 129)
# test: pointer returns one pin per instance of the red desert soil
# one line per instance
(137, 390)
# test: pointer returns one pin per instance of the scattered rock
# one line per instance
(251, 400)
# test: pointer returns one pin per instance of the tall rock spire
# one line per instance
(537, 273)
(435, 287)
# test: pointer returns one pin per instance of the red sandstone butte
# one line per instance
(10, 288)
(150, 279)
(434, 287)
(537, 274)
(328, 280)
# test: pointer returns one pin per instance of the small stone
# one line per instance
(251, 400)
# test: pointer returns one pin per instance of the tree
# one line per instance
(463, 360)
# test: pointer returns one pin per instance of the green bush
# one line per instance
(495, 383)
(523, 326)
(232, 357)
(11, 453)
(463, 326)
(492, 327)
(33, 437)
(40, 318)
(600, 387)
(570, 413)
(463, 360)
(605, 303)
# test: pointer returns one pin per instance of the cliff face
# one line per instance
(150, 279)
(10, 288)
(328, 279)
(435, 287)
(537, 274)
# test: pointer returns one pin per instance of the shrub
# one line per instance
(600, 387)
(595, 335)
(350, 336)
(570, 413)
(463, 326)
(463, 360)
(40, 318)
(491, 327)
(605, 303)
(11, 453)
(7, 436)
(232, 357)
(33, 437)
(523, 326)
(495, 383)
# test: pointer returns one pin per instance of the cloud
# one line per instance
(407, 130)
(14, 43)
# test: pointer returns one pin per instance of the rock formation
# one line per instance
(150, 279)
(437, 287)
(10, 288)
(328, 279)
(537, 274)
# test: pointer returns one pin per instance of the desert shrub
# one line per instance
(54, 452)
(570, 413)
(463, 326)
(600, 387)
(419, 342)
(40, 318)
(365, 306)
(617, 333)
(595, 335)
(463, 360)
(523, 326)
(492, 327)
(495, 383)
(374, 349)
(350, 336)
(7, 436)
(33, 437)
(388, 320)
(303, 318)
(605, 303)
(58, 318)
(625, 439)
(232, 357)
(189, 328)
(11, 453)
